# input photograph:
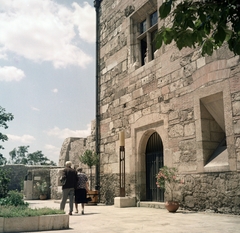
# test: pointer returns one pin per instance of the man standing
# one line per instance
(68, 188)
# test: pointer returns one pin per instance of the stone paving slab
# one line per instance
(109, 219)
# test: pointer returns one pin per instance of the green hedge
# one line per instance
(13, 205)
(23, 211)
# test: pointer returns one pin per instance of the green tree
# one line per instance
(4, 182)
(89, 158)
(204, 23)
(21, 156)
(4, 118)
(38, 158)
(3, 160)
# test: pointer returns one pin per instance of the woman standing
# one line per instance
(81, 190)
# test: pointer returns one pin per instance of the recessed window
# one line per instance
(153, 18)
(143, 28)
(148, 30)
(214, 142)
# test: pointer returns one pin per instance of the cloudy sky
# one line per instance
(47, 72)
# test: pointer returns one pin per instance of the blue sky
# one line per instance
(47, 72)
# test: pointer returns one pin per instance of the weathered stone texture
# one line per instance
(73, 147)
(167, 89)
(22, 173)
(163, 96)
(211, 191)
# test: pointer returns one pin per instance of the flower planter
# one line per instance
(43, 196)
(94, 195)
(172, 206)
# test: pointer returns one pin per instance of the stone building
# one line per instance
(73, 147)
(176, 108)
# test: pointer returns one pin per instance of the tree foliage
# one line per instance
(4, 182)
(4, 118)
(204, 23)
(89, 158)
(21, 156)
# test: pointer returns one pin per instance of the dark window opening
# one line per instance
(153, 18)
(143, 50)
(153, 44)
(143, 26)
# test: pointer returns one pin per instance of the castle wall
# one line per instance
(189, 100)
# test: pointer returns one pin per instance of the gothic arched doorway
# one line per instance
(154, 161)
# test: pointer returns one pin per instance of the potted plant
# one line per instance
(90, 158)
(42, 189)
(167, 180)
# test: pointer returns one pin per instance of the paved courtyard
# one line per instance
(109, 219)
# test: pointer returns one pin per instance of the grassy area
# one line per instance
(23, 211)
(13, 205)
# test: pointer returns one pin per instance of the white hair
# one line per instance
(68, 163)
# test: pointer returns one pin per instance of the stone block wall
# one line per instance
(20, 174)
(216, 192)
(74, 147)
(17, 174)
(164, 96)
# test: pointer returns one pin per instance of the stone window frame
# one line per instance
(203, 93)
(143, 14)
(145, 39)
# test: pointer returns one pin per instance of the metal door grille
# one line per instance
(154, 161)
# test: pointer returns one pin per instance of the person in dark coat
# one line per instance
(81, 190)
(69, 187)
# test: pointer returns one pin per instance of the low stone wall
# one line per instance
(56, 190)
(36, 223)
(17, 173)
(109, 188)
(21, 173)
(217, 192)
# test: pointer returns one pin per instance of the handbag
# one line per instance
(63, 180)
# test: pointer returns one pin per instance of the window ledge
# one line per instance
(219, 163)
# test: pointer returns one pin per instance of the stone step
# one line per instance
(150, 204)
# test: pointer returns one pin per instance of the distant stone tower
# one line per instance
(73, 147)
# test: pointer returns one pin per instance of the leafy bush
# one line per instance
(4, 182)
(24, 211)
(13, 198)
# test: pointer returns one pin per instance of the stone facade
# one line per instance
(190, 101)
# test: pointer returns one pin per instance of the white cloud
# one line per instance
(66, 133)
(42, 30)
(53, 150)
(35, 109)
(84, 14)
(55, 90)
(11, 73)
(23, 139)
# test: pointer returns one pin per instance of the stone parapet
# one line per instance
(36, 223)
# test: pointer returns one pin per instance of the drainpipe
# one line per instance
(97, 146)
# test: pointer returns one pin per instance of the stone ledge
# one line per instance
(149, 204)
(122, 202)
(36, 223)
